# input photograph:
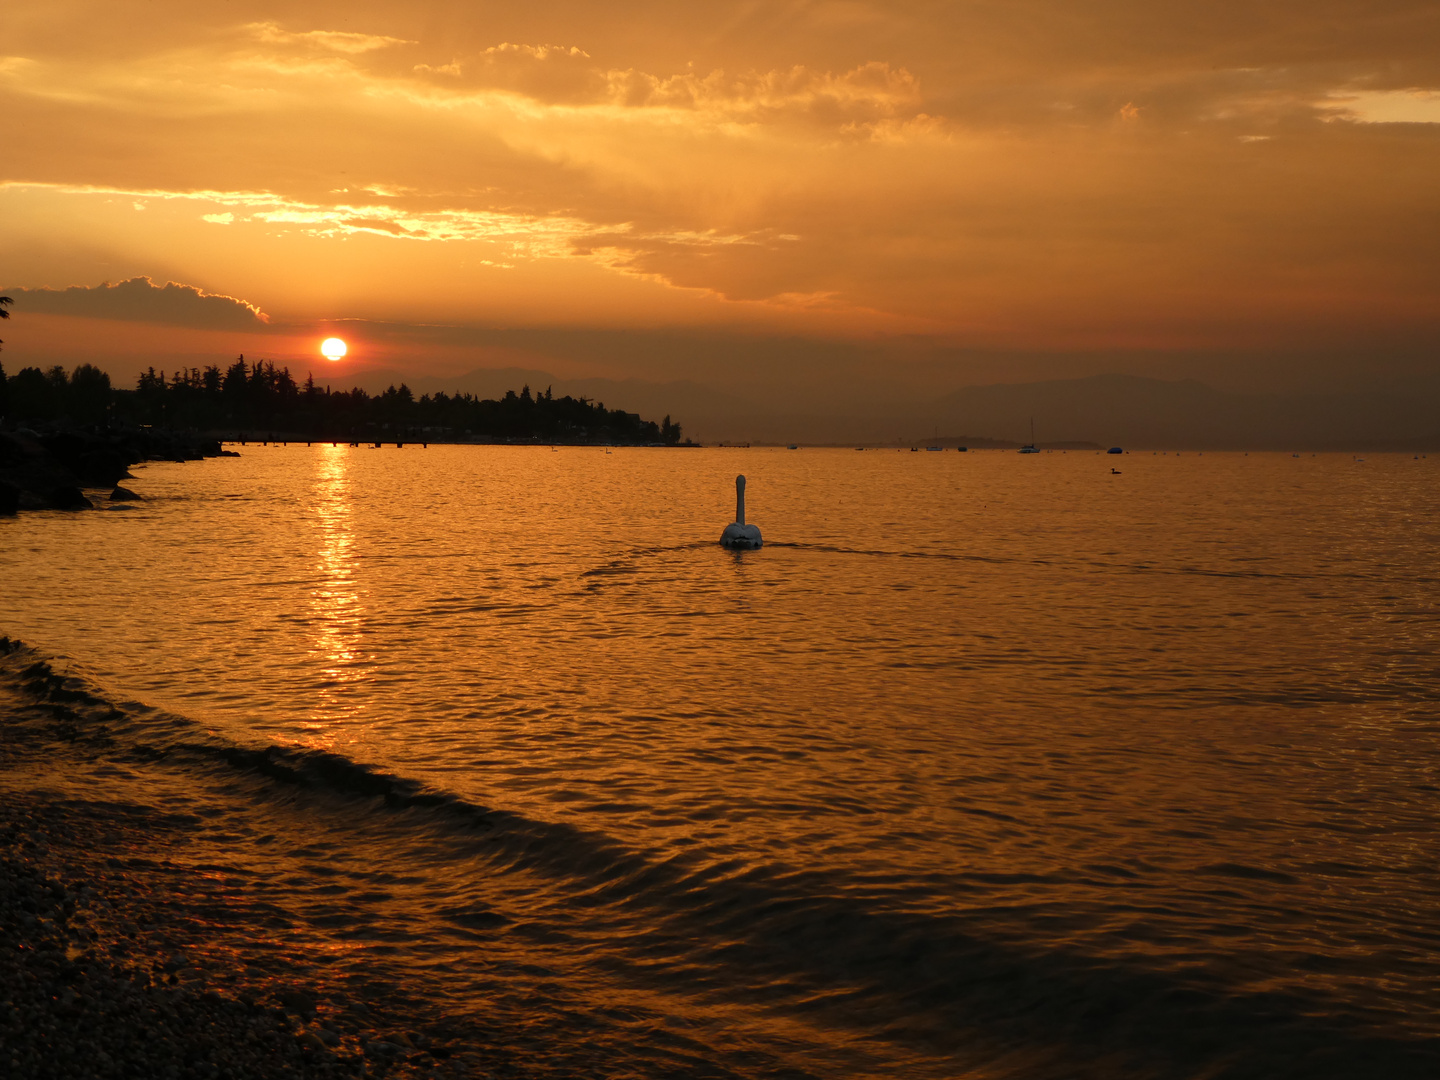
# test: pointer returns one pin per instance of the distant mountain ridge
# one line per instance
(1136, 411)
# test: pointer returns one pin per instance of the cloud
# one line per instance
(140, 300)
(617, 246)
(1390, 106)
(969, 166)
(546, 76)
(539, 52)
(335, 40)
(872, 90)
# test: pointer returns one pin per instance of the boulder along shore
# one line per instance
(52, 470)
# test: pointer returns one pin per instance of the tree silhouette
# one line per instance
(3, 313)
(259, 395)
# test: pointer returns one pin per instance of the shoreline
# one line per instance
(124, 954)
(64, 469)
(52, 471)
(113, 957)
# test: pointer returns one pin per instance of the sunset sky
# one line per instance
(793, 194)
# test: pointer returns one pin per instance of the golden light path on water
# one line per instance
(337, 611)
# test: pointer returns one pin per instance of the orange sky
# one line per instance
(1107, 182)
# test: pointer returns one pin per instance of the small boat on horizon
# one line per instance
(1030, 447)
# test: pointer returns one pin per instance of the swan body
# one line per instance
(740, 536)
(737, 534)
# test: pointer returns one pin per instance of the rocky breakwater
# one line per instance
(52, 470)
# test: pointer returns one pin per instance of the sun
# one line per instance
(333, 348)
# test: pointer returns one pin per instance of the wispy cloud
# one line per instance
(537, 52)
(873, 88)
(341, 41)
(618, 246)
(1386, 106)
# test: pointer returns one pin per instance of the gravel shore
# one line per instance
(124, 954)
(99, 979)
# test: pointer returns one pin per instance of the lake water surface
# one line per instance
(985, 765)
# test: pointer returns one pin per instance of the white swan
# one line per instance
(738, 534)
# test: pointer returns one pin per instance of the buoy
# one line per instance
(737, 534)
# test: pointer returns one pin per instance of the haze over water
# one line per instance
(985, 765)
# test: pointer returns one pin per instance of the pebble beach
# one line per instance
(120, 952)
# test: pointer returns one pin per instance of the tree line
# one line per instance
(259, 398)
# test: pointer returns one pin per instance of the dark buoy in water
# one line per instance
(737, 534)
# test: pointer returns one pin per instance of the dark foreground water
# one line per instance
(986, 765)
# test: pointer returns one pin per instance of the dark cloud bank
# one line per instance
(140, 300)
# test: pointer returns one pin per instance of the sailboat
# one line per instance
(1030, 447)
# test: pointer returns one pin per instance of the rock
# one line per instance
(102, 466)
(25, 463)
(298, 1002)
(69, 498)
(121, 494)
(95, 460)
(38, 464)
(9, 498)
(328, 1037)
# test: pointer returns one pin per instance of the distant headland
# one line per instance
(262, 401)
(61, 433)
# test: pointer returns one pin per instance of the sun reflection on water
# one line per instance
(334, 599)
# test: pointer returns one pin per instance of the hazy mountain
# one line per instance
(1129, 410)
(1125, 410)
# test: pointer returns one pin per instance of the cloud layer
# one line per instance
(140, 300)
(1039, 175)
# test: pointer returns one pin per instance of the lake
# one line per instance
(986, 764)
